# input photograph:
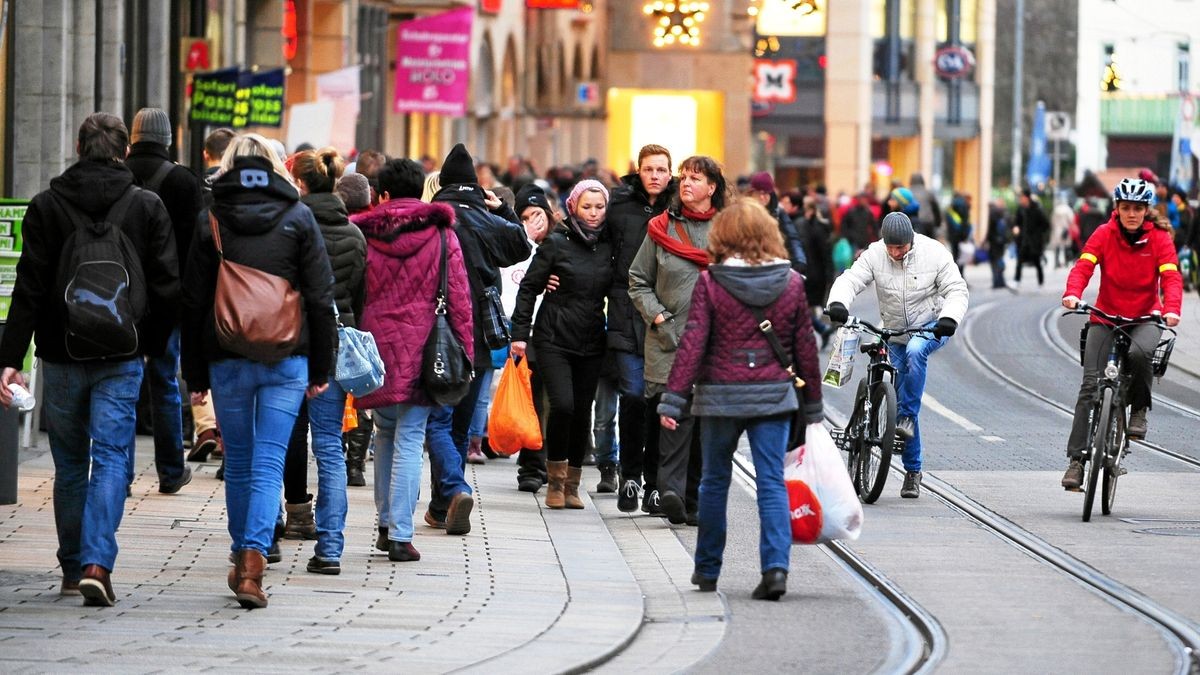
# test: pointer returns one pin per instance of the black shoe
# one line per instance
(274, 555)
(631, 492)
(672, 505)
(172, 488)
(487, 450)
(458, 516)
(355, 477)
(402, 551)
(693, 519)
(529, 484)
(608, 478)
(652, 504)
(704, 584)
(381, 542)
(221, 470)
(323, 566)
(1073, 478)
(912, 485)
(772, 586)
(905, 428)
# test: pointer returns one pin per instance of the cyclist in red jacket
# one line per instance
(1139, 275)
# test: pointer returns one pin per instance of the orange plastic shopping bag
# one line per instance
(513, 423)
(349, 415)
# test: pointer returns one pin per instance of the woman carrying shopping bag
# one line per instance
(740, 385)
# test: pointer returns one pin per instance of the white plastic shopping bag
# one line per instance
(841, 358)
(823, 503)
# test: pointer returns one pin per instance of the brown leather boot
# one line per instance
(249, 591)
(571, 487)
(300, 523)
(555, 499)
(235, 574)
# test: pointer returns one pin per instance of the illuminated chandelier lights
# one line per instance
(676, 22)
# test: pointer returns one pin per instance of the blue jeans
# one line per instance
(447, 464)
(325, 414)
(399, 437)
(604, 424)
(768, 444)
(911, 362)
(480, 417)
(162, 374)
(256, 405)
(91, 411)
(460, 436)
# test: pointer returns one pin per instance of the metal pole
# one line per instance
(1018, 77)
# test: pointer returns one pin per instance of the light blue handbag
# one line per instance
(359, 368)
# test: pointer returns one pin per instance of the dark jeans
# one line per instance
(996, 261)
(295, 464)
(1095, 357)
(570, 382)
(460, 436)
(677, 454)
(1041, 275)
(533, 462)
(633, 418)
(166, 404)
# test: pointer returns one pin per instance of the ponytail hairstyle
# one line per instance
(319, 169)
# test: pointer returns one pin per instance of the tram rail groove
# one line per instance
(925, 643)
(1056, 338)
(996, 372)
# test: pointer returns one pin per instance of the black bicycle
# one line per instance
(1107, 440)
(869, 438)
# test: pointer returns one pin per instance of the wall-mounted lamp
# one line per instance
(676, 22)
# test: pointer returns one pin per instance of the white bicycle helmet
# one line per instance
(1134, 190)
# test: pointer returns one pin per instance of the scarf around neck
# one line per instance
(589, 235)
(682, 247)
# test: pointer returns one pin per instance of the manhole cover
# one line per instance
(1166, 527)
(1172, 531)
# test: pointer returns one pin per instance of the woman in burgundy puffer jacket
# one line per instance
(740, 384)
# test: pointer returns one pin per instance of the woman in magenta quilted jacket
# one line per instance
(404, 254)
(741, 386)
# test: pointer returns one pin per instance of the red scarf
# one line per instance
(682, 247)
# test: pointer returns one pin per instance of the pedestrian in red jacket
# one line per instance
(1139, 275)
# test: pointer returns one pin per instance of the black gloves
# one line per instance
(838, 313)
(945, 327)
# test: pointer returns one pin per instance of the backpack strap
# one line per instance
(155, 182)
(114, 216)
(215, 227)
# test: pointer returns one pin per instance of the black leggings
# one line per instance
(570, 382)
(1041, 276)
(295, 463)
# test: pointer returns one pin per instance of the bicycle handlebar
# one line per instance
(883, 333)
(1083, 308)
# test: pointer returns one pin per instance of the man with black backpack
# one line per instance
(98, 284)
(179, 189)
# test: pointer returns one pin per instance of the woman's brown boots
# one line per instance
(557, 473)
(248, 574)
(571, 489)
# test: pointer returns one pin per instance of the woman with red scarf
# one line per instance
(661, 279)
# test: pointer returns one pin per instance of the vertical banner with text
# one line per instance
(433, 56)
(12, 213)
(260, 99)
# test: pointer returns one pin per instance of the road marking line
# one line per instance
(991, 439)
(949, 414)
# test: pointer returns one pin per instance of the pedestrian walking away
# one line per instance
(92, 362)
(918, 286)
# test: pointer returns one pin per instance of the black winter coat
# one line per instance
(628, 213)
(37, 298)
(265, 227)
(1034, 232)
(347, 249)
(571, 319)
(814, 233)
(180, 191)
(791, 239)
(489, 241)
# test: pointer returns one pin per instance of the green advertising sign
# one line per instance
(214, 97)
(260, 99)
(12, 213)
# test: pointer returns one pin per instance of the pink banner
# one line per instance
(433, 55)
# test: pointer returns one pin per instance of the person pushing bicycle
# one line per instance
(1139, 275)
(919, 286)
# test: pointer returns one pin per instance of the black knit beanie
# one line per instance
(458, 168)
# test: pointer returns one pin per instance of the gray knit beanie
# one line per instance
(151, 125)
(354, 191)
(897, 229)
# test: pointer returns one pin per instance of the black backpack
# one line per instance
(103, 285)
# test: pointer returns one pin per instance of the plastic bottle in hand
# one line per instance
(22, 399)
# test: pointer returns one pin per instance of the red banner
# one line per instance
(552, 4)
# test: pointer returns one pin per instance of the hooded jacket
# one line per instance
(571, 319)
(1133, 276)
(723, 344)
(264, 226)
(404, 257)
(923, 287)
(37, 300)
(489, 241)
(628, 213)
(347, 251)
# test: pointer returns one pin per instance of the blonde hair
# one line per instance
(433, 183)
(745, 229)
(319, 169)
(253, 145)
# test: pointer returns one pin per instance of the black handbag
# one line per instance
(799, 418)
(446, 371)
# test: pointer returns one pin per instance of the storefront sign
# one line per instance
(490, 6)
(432, 63)
(775, 81)
(12, 213)
(214, 96)
(259, 99)
(195, 54)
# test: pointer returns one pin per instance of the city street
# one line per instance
(1004, 575)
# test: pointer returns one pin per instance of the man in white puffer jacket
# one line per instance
(918, 285)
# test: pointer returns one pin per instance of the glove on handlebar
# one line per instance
(945, 327)
(837, 312)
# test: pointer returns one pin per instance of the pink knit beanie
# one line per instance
(581, 187)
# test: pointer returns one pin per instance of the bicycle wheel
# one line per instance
(853, 436)
(1112, 464)
(876, 458)
(1097, 452)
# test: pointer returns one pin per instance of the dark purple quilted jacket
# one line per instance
(723, 344)
(403, 257)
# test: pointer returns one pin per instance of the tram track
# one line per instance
(1054, 337)
(995, 371)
